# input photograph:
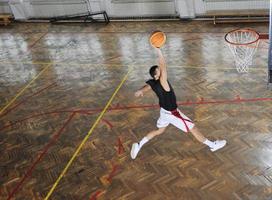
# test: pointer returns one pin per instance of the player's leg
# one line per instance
(198, 135)
(137, 146)
(162, 123)
(157, 132)
(214, 146)
(182, 122)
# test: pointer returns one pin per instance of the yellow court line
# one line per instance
(21, 92)
(86, 137)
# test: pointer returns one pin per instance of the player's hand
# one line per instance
(158, 50)
(139, 93)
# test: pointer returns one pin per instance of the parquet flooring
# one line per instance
(41, 129)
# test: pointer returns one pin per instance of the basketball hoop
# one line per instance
(243, 44)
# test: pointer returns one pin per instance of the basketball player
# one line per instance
(169, 112)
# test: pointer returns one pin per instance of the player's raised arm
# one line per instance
(163, 71)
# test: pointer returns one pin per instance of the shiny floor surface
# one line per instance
(55, 80)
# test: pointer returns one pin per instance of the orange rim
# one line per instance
(242, 30)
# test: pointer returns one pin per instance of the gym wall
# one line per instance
(25, 9)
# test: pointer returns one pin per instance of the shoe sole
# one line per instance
(132, 150)
(213, 150)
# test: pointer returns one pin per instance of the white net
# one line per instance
(243, 44)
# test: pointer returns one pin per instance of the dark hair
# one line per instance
(152, 71)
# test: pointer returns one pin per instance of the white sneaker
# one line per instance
(134, 150)
(218, 144)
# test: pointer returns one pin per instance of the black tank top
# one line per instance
(167, 100)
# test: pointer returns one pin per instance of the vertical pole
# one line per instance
(270, 47)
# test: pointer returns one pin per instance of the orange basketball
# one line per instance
(157, 39)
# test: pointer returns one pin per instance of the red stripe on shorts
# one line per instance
(177, 114)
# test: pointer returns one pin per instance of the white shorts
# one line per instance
(182, 122)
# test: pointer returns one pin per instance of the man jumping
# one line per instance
(169, 112)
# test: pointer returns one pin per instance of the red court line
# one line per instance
(202, 101)
(124, 107)
(112, 173)
(39, 157)
(107, 122)
(116, 107)
(27, 98)
(121, 148)
(95, 195)
(34, 116)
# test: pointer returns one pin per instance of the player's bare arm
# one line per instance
(144, 89)
(163, 71)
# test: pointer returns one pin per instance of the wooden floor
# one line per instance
(56, 79)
